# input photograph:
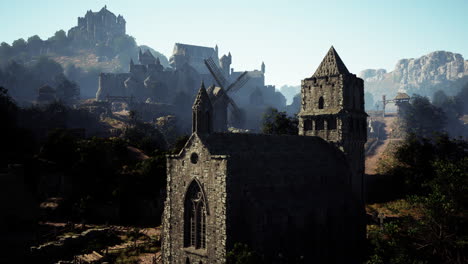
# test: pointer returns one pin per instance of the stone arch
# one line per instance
(187, 261)
(195, 216)
(320, 102)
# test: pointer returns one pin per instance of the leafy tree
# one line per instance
(123, 44)
(67, 91)
(59, 42)
(179, 144)
(439, 98)
(144, 136)
(437, 188)
(422, 118)
(19, 45)
(35, 44)
(278, 123)
(462, 97)
(242, 254)
(453, 108)
(46, 70)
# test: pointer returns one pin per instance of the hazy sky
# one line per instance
(290, 36)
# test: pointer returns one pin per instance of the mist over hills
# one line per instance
(85, 51)
(438, 70)
(99, 43)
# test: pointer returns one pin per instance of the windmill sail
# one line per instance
(216, 72)
(241, 81)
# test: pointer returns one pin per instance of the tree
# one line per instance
(19, 45)
(242, 254)
(67, 91)
(35, 44)
(278, 123)
(462, 97)
(439, 98)
(6, 52)
(437, 231)
(59, 42)
(422, 118)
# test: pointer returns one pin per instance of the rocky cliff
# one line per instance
(439, 70)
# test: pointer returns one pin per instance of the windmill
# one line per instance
(220, 98)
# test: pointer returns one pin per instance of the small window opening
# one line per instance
(320, 103)
(307, 125)
(331, 124)
(194, 158)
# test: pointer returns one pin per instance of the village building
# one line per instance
(291, 199)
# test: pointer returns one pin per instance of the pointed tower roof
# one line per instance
(202, 101)
(331, 65)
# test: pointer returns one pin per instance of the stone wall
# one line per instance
(210, 171)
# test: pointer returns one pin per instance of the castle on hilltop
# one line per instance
(148, 81)
(98, 27)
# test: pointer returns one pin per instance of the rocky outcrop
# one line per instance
(425, 75)
(372, 75)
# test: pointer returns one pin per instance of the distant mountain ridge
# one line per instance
(438, 70)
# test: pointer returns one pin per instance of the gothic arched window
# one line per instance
(320, 103)
(195, 212)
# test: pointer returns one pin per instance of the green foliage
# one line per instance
(123, 44)
(144, 136)
(436, 181)
(46, 69)
(422, 118)
(242, 254)
(415, 159)
(179, 144)
(462, 97)
(67, 91)
(19, 45)
(278, 123)
(8, 109)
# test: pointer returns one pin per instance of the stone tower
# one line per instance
(225, 63)
(333, 109)
(202, 113)
(263, 67)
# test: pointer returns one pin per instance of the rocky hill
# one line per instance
(99, 43)
(439, 70)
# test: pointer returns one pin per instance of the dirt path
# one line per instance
(372, 161)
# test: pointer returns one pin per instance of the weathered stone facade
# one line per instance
(333, 109)
(98, 27)
(291, 199)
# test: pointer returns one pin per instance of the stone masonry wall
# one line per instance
(210, 171)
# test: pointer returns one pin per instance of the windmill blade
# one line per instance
(241, 81)
(216, 72)
(235, 109)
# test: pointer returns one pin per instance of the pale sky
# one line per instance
(291, 37)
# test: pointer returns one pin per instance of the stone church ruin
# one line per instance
(291, 199)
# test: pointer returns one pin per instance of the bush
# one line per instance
(278, 123)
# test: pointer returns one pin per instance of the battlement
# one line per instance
(98, 26)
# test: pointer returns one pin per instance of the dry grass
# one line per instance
(87, 60)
